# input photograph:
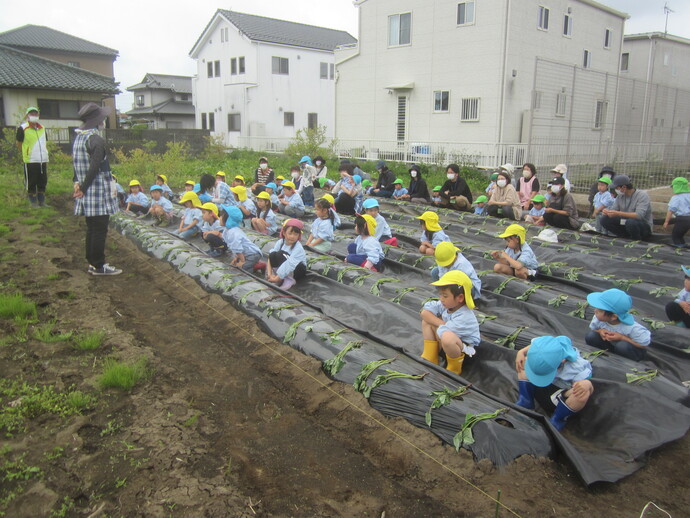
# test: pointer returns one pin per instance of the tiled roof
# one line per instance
(169, 107)
(23, 70)
(180, 84)
(40, 37)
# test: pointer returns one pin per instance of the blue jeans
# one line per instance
(621, 348)
(634, 228)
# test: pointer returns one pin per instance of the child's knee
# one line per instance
(448, 338)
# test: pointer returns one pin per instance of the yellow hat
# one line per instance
(445, 253)
(263, 195)
(210, 206)
(371, 224)
(134, 182)
(190, 196)
(220, 173)
(239, 177)
(162, 177)
(241, 192)
(431, 220)
(515, 230)
(190, 182)
(289, 185)
(458, 278)
(328, 198)
(279, 177)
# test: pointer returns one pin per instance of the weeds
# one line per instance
(66, 506)
(55, 453)
(89, 341)
(46, 333)
(122, 376)
(16, 306)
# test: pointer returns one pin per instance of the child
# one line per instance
(279, 184)
(383, 230)
(602, 200)
(325, 183)
(551, 370)
(162, 181)
(358, 194)
(366, 251)
(222, 195)
(161, 208)
(492, 184)
(436, 195)
(265, 220)
(536, 213)
(287, 262)
(271, 189)
(246, 253)
(137, 202)
(679, 206)
(450, 322)
(480, 202)
(516, 248)
(212, 230)
(190, 224)
(336, 219)
(432, 234)
(245, 205)
(614, 328)
(188, 186)
(321, 236)
(206, 188)
(678, 311)
(120, 193)
(367, 187)
(291, 204)
(448, 258)
(398, 190)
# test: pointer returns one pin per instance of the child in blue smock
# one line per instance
(265, 220)
(321, 236)
(358, 193)
(287, 262)
(190, 224)
(336, 219)
(212, 229)
(271, 188)
(436, 195)
(291, 204)
(536, 213)
(245, 253)
(325, 183)
(137, 202)
(398, 190)
(366, 250)
(245, 205)
(552, 371)
(120, 193)
(162, 181)
(678, 311)
(517, 259)
(367, 187)
(602, 200)
(448, 258)
(383, 230)
(480, 202)
(222, 195)
(449, 323)
(679, 206)
(161, 208)
(432, 234)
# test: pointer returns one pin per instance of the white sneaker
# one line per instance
(91, 269)
(106, 269)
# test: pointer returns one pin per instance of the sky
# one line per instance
(156, 36)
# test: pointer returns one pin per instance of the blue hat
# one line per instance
(234, 216)
(370, 203)
(156, 188)
(271, 185)
(357, 179)
(686, 270)
(306, 158)
(545, 356)
(197, 188)
(614, 300)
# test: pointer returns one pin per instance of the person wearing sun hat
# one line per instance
(291, 204)
(449, 322)
(480, 202)
(162, 182)
(366, 250)
(678, 311)
(448, 258)
(31, 141)
(630, 215)
(679, 206)
(536, 213)
(191, 221)
(436, 196)
(602, 200)
(336, 219)
(517, 259)
(432, 233)
(398, 190)
(161, 208)
(552, 371)
(137, 202)
(613, 327)
(324, 183)
(383, 230)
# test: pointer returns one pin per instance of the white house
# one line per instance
(259, 76)
(164, 101)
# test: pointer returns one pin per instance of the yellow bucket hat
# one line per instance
(210, 206)
(240, 178)
(458, 278)
(263, 195)
(241, 192)
(445, 253)
(289, 185)
(134, 182)
(220, 173)
(330, 199)
(431, 220)
(190, 182)
(515, 230)
(191, 196)
(163, 177)
(371, 224)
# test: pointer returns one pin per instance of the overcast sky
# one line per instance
(156, 36)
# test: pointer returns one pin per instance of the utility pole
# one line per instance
(667, 10)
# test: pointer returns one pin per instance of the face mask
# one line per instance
(620, 191)
(501, 183)
(263, 166)
(33, 118)
(295, 175)
(526, 174)
(413, 174)
(450, 176)
(555, 189)
(318, 163)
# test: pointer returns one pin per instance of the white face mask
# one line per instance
(501, 183)
(620, 191)
(33, 118)
(555, 189)
(450, 176)
(413, 174)
(526, 174)
(295, 175)
(318, 163)
(263, 166)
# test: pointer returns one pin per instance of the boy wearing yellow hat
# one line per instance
(449, 323)
(137, 202)
(448, 258)
(162, 181)
(246, 205)
(432, 234)
(212, 230)
(679, 206)
(366, 250)
(291, 203)
(517, 259)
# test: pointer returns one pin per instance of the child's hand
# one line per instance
(612, 336)
(273, 278)
(496, 254)
(685, 306)
(580, 389)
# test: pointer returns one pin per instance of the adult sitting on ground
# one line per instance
(606, 172)
(417, 192)
(631, 213)
(561, 171)
(527, 185)
(384, 187)
(504, 201)
(345, 191)
(455, 193)
(562, 209)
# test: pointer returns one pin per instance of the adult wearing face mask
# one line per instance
(455, 193)
(561, 171)
(527, 185)
(606, 172)
(384, 186)
(631, 213)
(505, 198)
(321, 170)
(31, 141)
(562, 209)
(262, 175)
(418, 191)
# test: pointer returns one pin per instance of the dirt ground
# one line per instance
(232, 423)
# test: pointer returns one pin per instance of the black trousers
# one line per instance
(215, 242)
(558, 220)
(680, 228)
(345, 204)
(278, 258)
(675, 312)
(36, 177)
(507, 211)
(96, 232)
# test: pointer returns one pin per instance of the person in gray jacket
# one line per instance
(631, 213)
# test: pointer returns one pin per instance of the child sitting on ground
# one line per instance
(325, 183)
(321, 237)
(678, 311)
(365, 251)
(161, 208)
(367, 187)
(679, 206)
(432, 234)
(212, 229)
(291, 204)
(222, 195)
(552, 371)
(436, 195)
(245, 253)
(383, 231)
(279, 184)
(265, 220)
(137, 202)
(536, 213)
(602, 200)
(450, 322)
(245, 205)
(480, 202)
(162, 181)
(287, 261)
(398, 190)
(448, 258)
(336, 219)
(120, 193)
(190, 223)
(206, 188)
(517, 259)
(271, 188)
(492, 185)
(613, 327)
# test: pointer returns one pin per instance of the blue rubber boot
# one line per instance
(526, 399)
(561, 415)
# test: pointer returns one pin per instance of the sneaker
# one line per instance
(91, 269)
(106, 269)
(288, 283)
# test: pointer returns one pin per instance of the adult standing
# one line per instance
(631, 213)
(384, 185)
(94, 188)
(262, 175)
(306, 187)
(504, 198)
(562, 209)
(455, 193)
(418, 192)
(527, 185)
(31, 141)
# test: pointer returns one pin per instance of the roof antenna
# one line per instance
(667, 10)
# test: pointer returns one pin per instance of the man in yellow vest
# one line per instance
(31, 140)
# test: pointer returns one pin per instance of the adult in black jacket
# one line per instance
(384, 187)
(455, 193)
(417, 192)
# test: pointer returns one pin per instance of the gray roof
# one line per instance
(270, 30)
(40, 37)
(180, 84)
(23, 70)
(169, 107)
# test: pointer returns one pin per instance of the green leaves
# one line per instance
(661, 291)
(579, 312)
(360, 382)
(292, 330)
(624, 284)
(529, 291)
(503, 285)
(557, 301)
(401, 293)
(593, 355)
(509, 341)
(382, 379)
(442, 398)
(333, 366)
(376, 287)
(637, 377)
(465, 437)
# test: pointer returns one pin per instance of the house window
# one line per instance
(217, 68)
(543, 22)
(224, 35)
(241, 63)
(55, 109)
(465, 13)
(667, 59)
(536, 99)
(399, 29)
(74, 64)
(561, 100)
(470, 109)
(288, 118)
(625, 59)
(234, 120)
(212, 121)
(312, 120)
(184, 97)
(323, 73)
(203, 121)
(140, 100)
(280, 65)
(567, 25)
(209, 69)
(600, 114)
(331, 71)
(607, 38)
(233, 66)
(441, 98)
(586, 59)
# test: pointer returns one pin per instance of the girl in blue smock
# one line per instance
(366, 250)
(137, 202)
(432, 234)
(265, 220)
(287, 261)
(190, 223)
(321, 236)
(245, 253)
(517, 259)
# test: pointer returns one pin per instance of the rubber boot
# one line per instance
(455, 364)
(430, 353)
(41, 199)
(526, 399)
(33, 201)
(561, 415)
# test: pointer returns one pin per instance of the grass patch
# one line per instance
(4, 229)
(46, 333)
(89, 341)
(50, 239)
(121, 375)
(191, 421)
(53, 277)
(16, 306)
